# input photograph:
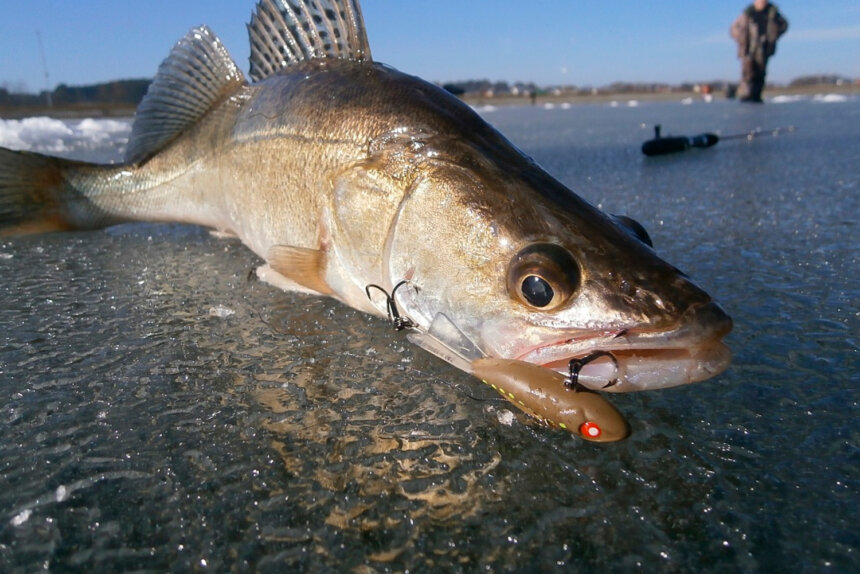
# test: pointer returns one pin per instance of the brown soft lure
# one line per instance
(543, 394)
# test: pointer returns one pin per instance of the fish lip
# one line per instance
(702, 325)
(559, 359)
(698, 337)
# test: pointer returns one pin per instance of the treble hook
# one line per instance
(398, 321)
(576, 365)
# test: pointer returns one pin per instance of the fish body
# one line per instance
(341, 172)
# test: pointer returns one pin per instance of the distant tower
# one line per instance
(45, 69)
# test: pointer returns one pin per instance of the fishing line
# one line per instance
(408, 369)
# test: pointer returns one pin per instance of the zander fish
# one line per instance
(344, 173)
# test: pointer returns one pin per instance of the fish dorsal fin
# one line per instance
(286, 32)
(198, 74)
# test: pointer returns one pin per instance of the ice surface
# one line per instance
(143, 432)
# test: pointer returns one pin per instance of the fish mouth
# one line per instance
(634, 359)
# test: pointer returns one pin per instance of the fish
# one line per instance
(343, 173)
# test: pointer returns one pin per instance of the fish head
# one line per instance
(528, 271)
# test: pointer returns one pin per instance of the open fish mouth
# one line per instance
(631, 360)
(625, 370)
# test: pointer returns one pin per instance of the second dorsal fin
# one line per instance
(286, 32)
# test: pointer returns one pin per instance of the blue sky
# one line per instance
(546, 41)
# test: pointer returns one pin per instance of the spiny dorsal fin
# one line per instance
(197, 74)
(286, 32)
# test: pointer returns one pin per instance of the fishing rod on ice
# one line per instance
(665, 145)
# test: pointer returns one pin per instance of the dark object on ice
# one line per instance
(661, 146)
(756, 31)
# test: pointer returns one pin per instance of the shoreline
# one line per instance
(101, 110)
(666, 96)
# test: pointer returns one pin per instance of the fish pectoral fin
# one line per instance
(301, 265)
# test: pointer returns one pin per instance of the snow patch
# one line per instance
(53, 136)
(830, 98)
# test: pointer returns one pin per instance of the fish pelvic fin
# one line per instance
(301, 265)
(284, 33)
(36, 196)
(197, 75)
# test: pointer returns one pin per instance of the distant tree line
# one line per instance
(488, 87)
(128, 92)
(821, 79)
(131, 92)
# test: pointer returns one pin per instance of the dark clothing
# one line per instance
(760, 20)
(756, 33)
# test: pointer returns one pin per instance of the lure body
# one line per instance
(543, 394)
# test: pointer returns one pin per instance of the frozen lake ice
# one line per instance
(162, 411)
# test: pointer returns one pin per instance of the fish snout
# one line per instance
(685, 308)
(705, 322)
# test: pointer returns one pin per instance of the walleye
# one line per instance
(344, 173)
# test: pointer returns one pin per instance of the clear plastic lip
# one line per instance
(447, 342)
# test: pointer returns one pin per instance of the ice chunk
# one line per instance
(221, 311)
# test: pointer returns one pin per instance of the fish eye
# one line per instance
(537, 291)
(543, 276)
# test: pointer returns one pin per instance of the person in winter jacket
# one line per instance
(756, 31)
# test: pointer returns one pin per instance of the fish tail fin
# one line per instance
(36, 197)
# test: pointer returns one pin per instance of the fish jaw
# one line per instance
(637, 359)
(640, 369)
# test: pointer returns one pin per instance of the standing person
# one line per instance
(756, 31)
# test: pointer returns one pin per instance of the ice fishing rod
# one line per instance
(662, 146)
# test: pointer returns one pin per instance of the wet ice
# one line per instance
(146, 427)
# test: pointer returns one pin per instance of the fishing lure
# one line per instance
(548, 396)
